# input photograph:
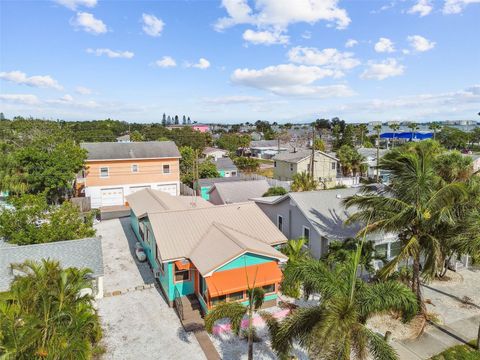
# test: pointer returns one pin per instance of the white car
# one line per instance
(140, 253)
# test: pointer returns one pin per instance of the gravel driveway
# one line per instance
(138, 324)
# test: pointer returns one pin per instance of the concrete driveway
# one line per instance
(137, 322)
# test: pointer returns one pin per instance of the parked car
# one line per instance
(140, 253)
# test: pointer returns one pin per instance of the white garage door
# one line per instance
(138, 188)
(112, 197)
(170, 189)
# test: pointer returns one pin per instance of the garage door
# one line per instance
(138, 188)
(170, 189)
(111, 197)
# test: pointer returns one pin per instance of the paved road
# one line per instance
(138, 324)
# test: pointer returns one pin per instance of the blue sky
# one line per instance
(239, 60)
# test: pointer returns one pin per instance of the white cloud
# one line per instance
(384, 45)
(457, 6)
(419, 43)
(202, 64)
(351, 43)
(111, 53)
(422, 7)
(265, 37)
(73, 4)
(307, 35)
(25, 99)
(152, 25)
(382, 70)
(87, 22)
(279, 14)
(82, 90)
(234, 99)
(289, 79)
(166, 62)
(41, 81)
(328, 58)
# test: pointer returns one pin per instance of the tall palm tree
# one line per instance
(335, 328)
(47, 313)
(434, 127)
(235, 312)
(304, 182)
(378, 129)
(395, 127)
(296, 251)
(363, 128)
(414, 127)
(415, 203)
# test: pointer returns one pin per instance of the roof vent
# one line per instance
(339, 196)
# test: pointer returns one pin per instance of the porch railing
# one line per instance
(178, 304)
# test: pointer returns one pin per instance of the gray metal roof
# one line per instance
(212, 181)
(371, 152)
(295, 157)
(240, 191)
(131, 150)
(263, 143)
(82, 253)
(225, 164)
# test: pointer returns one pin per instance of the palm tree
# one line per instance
(304, 182)
(235, 312)
(296, 252)
(434, 127)
(378, 129)
(363, 128)
(415, 203)
(414, 127)
(48, 313)
(395, 127)
(335, 327)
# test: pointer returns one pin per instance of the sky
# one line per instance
(230, 61)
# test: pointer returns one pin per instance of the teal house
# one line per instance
(214, 253)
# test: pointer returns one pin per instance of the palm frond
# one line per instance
(232, 311)
(379, 348)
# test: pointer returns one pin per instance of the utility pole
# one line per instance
(195, 173)
(312, 160)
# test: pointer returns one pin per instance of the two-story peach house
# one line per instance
(115, 170)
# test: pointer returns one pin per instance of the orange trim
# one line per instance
(229, 281)
(183, 266)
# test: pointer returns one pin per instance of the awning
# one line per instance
(229, 281)
(183, 264)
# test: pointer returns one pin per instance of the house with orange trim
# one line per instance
(214, 253)
(115, 170)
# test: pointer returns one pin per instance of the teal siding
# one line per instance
(222, 173)
(245, 260)
(134, 223)
(204, 192)
(267, 298)
(203, 304)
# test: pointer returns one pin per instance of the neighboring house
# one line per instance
(115, 170)
(203, 186)
(215, 153)
(226, 167)
(82, 253)
(287, 164)
(200, 127)
(238, 191)
(124, 138)
(256, 136)
(212, 252)
(265, 149)
(319, 216)
(370, 155)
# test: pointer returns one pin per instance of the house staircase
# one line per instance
(189, 311)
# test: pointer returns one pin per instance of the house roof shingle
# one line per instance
(240, 191)
(131, 150)
(81, 253)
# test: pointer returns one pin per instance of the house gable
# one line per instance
(247, 259)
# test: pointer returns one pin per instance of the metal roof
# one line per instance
(149, 200)
(263, 143)
(240, 191)
(295, 157)
(224, 164)
(81, 253)
(211, 150)
(131, 150)
(178, 232)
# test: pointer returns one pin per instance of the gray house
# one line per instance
(318, 216)
(81, 253)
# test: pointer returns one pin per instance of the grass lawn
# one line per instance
(265, 161)
(265, 172)
(459, 352)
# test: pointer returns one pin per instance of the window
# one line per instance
(166, 169)
(291, 167)
(274, 164)
(234, 173)
(334, 166)
(381, 250)
(181, 275)
(218, 299)
(395, 248)
(280, 222)
(306, 233)
(235, 296)
(269, 288)
(134, 168)
(104, 172)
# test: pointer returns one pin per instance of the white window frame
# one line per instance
(108, 172)
(163, 169)
(334, 166)
(309, 232)
(136, 167)
(278, 222)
